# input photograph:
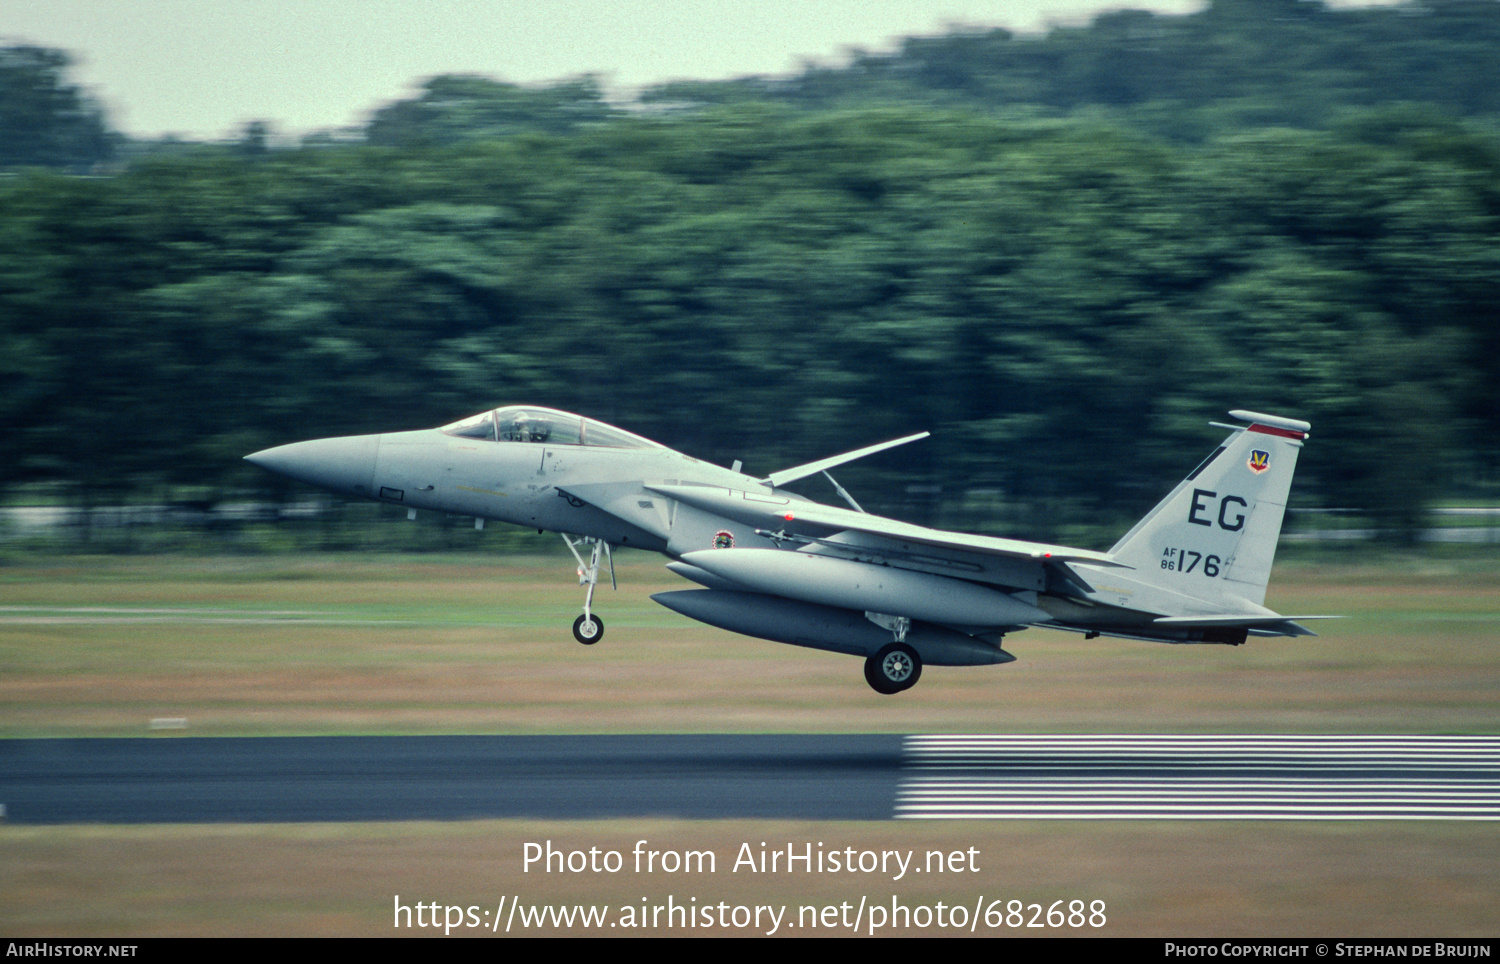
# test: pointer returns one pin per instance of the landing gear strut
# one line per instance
(895, 667)
(588, 629)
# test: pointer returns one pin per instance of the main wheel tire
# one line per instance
(894, 668)
(877, 682)
(588, 630)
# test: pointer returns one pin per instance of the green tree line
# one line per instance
(1063, 304)
(1063, 300)
(1236, 64)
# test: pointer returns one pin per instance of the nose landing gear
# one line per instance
(588, 629)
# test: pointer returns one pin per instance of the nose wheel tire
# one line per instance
(894, 668)
(588, 630)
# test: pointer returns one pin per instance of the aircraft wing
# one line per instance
(812, 521)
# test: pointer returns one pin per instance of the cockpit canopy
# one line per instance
(522, 423)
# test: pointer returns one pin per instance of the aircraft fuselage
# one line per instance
(779, 566)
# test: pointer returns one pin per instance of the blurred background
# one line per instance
(1061, 251)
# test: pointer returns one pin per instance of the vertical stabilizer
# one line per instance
(1216, 532)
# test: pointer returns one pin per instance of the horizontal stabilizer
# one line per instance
(1272, 624)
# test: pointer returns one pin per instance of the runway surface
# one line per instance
(174, 779)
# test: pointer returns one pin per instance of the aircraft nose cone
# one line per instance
(345, 465)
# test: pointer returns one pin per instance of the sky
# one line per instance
(205, 68)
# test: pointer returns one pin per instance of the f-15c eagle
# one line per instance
(779, 566)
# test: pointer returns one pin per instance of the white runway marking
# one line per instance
(1201, 778)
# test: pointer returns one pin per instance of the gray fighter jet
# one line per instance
(781, 567)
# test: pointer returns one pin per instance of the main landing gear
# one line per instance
(895, 667)
(588, 629)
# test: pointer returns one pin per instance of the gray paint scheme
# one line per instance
(779, 566)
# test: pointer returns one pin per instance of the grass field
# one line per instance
(301, 645)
